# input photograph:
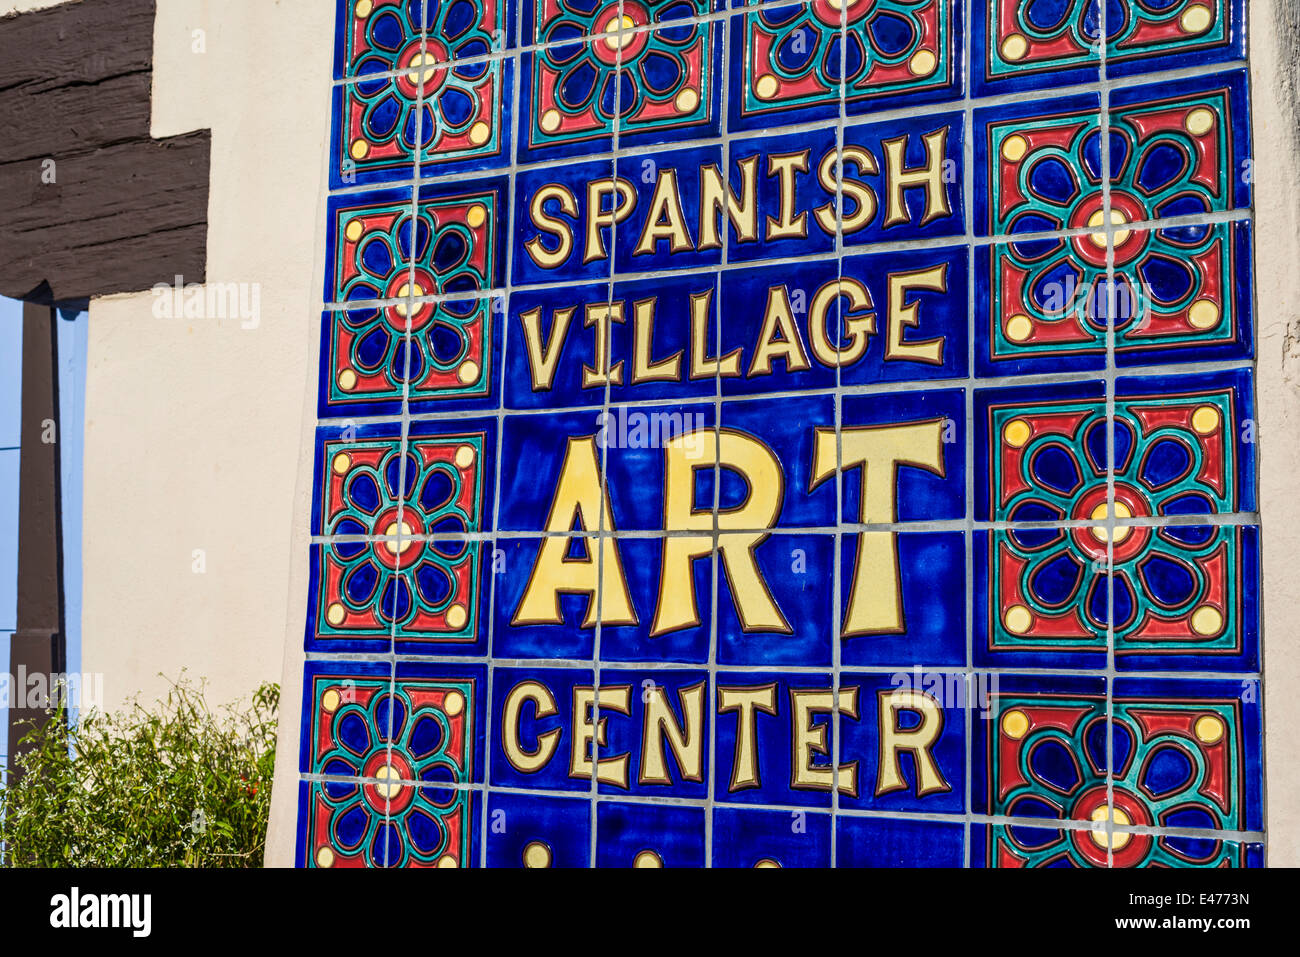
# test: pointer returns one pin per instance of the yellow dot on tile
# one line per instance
(456, 617)
(335, 614)
(1014, 148)
(354, 230)
(1014, 47)
(1102, 513)
(447, 861)
(479, 133)
(347, 380)
(550, 121)
(1196, 19)
(648, 859)
(537, 854)
(766, 863)
(388, 779)
(342, 462)
(1204, 314)
(1019, 328)
(360, 149)
(1018, 619)
(476, 216)
(464, 457)
(1199, 122)
(1115, 839)
(1206, 419)
(324, 857)
(331, 700)
(363, 9)
(1016, 433)
(922, 63)
(1209, 728)
(686, 101)
(1117, 218)
(619, 29)
(766, 87)
(468, 372)
(1015, 723)
(1207, 621)
(454, 703)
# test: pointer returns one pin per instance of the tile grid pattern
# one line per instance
(967, 525)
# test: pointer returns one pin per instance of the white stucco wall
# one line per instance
(194, 428)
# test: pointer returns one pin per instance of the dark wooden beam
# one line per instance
(37, 646)
(90, 203)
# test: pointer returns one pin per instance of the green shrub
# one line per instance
(178, 785)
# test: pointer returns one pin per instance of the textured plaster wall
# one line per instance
(194, 426)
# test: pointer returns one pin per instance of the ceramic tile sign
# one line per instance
(810, 433)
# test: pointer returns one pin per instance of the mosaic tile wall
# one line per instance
(780, 434)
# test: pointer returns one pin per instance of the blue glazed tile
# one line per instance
(1209, 318)
(902, 180)
(925, 622)
(1033, 314)
(923, 436)
(660, 466)
(781, 461)
(356, 473)
(1039, 751)
(445, 586)
(774, 739)
(649, 835)
(468, 30)
(563, 222)
(907, 734)
(1022, 48)
(786, 343)
(659, 745)
(919, 60)
(528, 830)
(670, 75)
(373, 130)
(379, 36)
(1217, 724)
(1181, 34)
(567, 99)
(445, 725)
(897, 842)
(555, 337)
(540, 615)
(783, 66)
(376, 37)
(1038, 168)
(903, 316)
(553, 22)
(466, 115)
(663, 230)
(368, 245)
(537, 446)
(1182, 148)
(350, 599)
(1212, 414)
(460, 240)
(336, 830)
(1012, 624)
(665, 334)
(749, 838)
(792, 180)
(1210, 575)
(787, 618)
(539, 720)
(1040, 452)
(355, 685)
(671, 607)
